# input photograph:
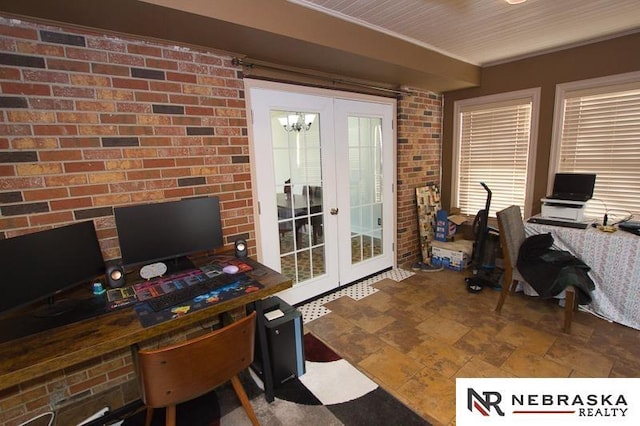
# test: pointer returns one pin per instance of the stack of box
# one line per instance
(455, 255)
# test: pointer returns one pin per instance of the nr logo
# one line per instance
(485, 404)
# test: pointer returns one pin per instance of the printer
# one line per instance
(569, 197)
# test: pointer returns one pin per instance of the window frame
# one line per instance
(598, 85)
(492, 101)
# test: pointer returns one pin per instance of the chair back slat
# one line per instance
(512, 233)
(185, 371)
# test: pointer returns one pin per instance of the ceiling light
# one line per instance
(515, 1)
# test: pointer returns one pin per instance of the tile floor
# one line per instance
(415, 333)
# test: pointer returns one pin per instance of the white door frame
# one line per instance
(255, 156)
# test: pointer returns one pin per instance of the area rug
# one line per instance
(331, 392)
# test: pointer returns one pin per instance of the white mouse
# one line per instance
(230, 269)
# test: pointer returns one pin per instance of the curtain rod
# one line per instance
(243, 63)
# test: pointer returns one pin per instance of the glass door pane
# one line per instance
(298, 186)
(365, 186)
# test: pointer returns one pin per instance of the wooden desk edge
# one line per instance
(11, 376)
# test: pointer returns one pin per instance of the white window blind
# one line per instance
(601, 134)
(494, 143)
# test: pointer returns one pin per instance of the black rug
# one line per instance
(331, 392)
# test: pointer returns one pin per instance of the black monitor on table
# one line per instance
(42, 264)
(168, 231)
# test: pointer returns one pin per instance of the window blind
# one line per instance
(601, 135)
(494, 149)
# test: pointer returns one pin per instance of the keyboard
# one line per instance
(545, 221)
(185, 294)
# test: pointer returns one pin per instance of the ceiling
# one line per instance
(485, 32)
(438, 45)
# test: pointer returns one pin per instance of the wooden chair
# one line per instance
(512, 236)
(181, 372)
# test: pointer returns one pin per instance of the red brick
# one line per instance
(86, 54)
(37, 169)
(30, 116)
(80, 142)
(89, 80)
(74, 92)
(77, 191)
(179, 192)
(174, 173)
(177, 54)
(84, 166)
(18, 32)
(45, 194)
(55, 129)
(193, 68)
(186, 78)
(145, 50)
(152, 97)
(10, 74)
(196, 89)
(81, 387)
(138, 197)
(162, 64)
(127, 187)
(47, 50)
(162, 184)
(61, 155)
(168, 130)
(186, 121)
(130, 83)
(159, 163)
(119, 58)
(106, 44)
(110, 69)
(184, 99)
(45, 76)
(133, 107)
(95, 106)
(25, 89)
(67, 65)
(139, 152)
(77, 117)
(154, 119)
(101, 130)
(118, 118)
(14, 222)
(165, 86)
(135, 130)
(71, 203)
(190, 110)
(66, 180)
(143, 175)
(211, 81)
(7, 170)
(48, 103)
(50, 218)
(111, 199)
(115, 94)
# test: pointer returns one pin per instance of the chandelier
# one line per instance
(297, 122)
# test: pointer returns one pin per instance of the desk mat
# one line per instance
(241, 286)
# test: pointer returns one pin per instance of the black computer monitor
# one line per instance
(168, 231)
(39, 265)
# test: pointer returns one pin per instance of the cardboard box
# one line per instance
(454, 255)
(447, 225)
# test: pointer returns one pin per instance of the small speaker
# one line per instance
(115, 275)
(241, 248)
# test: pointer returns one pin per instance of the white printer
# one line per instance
(571, 191)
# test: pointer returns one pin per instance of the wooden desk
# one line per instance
(39, 354)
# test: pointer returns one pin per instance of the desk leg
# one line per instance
(266, 359)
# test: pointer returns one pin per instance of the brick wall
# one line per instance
(91, 121)
(419, 155)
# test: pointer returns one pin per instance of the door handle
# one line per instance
(334, 211)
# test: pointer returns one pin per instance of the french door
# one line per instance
(324, 173)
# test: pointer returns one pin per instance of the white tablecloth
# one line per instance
(614, 259)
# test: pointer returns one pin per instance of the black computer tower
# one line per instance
(285, 343)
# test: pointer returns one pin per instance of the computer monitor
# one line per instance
(40, 265)
(171, 230)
